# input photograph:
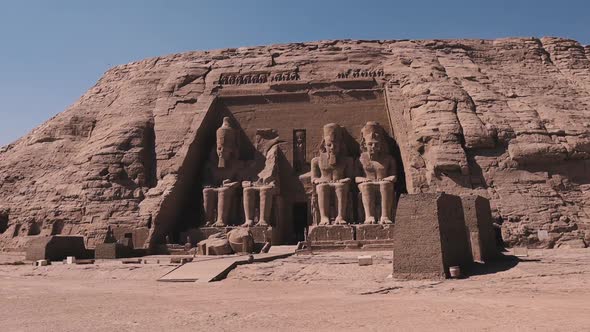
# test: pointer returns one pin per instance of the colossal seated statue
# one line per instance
(331, 172)
(376, 174)
(221, 178)
(264, 182)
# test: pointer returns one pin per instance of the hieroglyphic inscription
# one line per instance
(361, 73)
(257, 77)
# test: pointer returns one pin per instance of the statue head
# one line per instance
(227, 143)
(373, 139)
(332, 142)
(265, 139)
(300, 137)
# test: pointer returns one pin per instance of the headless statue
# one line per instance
(377, 174)
(330, 172)
(265, 183)
(222, 177)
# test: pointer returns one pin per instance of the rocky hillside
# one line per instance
(507, 118)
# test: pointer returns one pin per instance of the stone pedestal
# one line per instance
(478, 219)
(354, 236)
(429, 237)
(330, 233)
(374, 232)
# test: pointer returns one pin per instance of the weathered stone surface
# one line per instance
(55, 248)
(480, 230)
(112, 251)
(241, 240)
(429, 236)
(507, 119)
(216, 244)
(374, 232)
(322, 233)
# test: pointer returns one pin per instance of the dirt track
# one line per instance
(549, 290)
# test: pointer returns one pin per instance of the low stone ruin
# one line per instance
(238, 240)
(57, 248)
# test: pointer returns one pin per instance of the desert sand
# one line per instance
(546, 291)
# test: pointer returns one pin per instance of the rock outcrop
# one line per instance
(507, 119)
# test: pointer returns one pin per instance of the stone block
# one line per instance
(365, 260)
(330, 233)
(429, 236)
(216, 244)
(520, 251)
(261, 234)
(478, 220)
(56, 248)
(70, 260)
(112, 251)
(241, 240)
(41, 262)
(374, 232)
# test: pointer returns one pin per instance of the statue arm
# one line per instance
(315, 172)
(348, 171)
(360, 173)
(208, 177)
(392, 170)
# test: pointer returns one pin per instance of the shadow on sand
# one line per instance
(502, 263)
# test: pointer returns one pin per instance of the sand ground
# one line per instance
(547, 291)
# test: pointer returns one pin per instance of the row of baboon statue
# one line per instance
(332, 173)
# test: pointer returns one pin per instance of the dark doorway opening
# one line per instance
(300, 220)
(34, 229)
(3, 222)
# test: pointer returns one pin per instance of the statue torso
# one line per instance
(332, 172)
(378, 168)
(217, 174)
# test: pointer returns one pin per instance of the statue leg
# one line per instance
(249, 200)
(209, 195)
(342, 200)
(266, 194)
(387, 197)
(224, 197)
(368, 195)
(323, 191)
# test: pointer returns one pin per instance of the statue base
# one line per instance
(350, 237)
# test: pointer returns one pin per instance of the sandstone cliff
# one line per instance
(507, 118)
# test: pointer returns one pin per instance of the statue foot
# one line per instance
(324, 221)
(340, 221)
(262, 223)
(219, 224)
(385, 221)
(248, 223)
(370, 220)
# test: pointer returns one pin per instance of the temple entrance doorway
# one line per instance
(300, 220)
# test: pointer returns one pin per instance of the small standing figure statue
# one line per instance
(222, 177)
(265, 182)
(299, 151)
(330, 172)
(377, 174)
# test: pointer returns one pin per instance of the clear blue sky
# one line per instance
(51, 51)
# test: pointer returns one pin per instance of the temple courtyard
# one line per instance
(546, 290)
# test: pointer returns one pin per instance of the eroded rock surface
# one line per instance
(507, 119)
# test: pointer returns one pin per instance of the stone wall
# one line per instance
(507, 119)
